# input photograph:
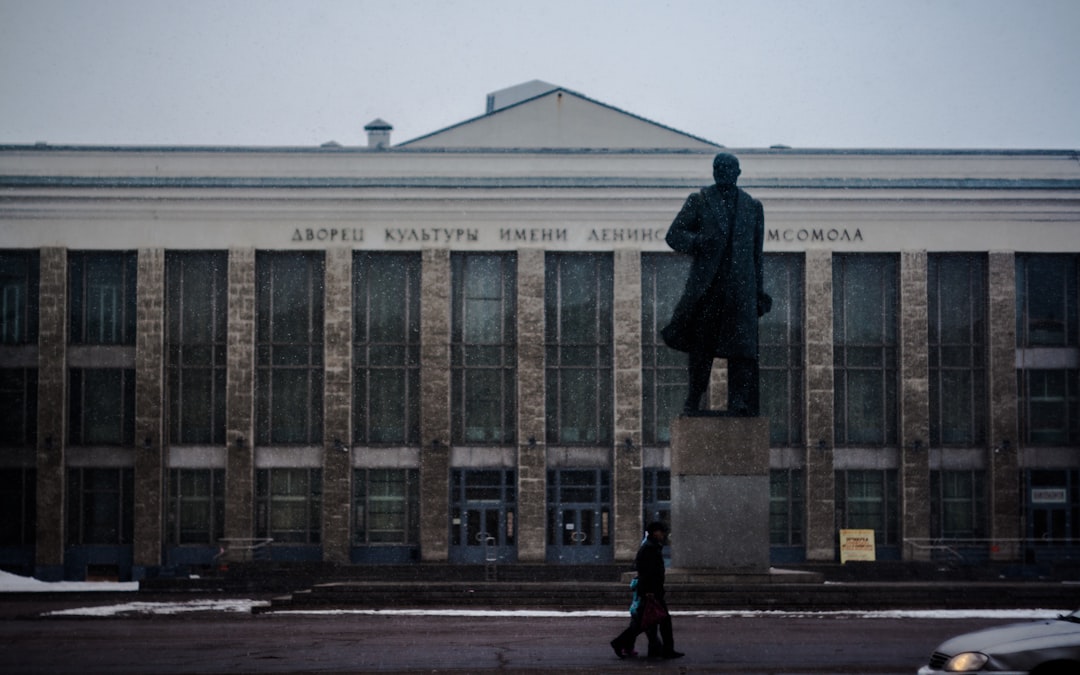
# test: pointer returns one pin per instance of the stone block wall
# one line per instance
(914, 396)
(337, 405)
(52, 404)
(531, 448)
(434, 403)
(627, 458)
(820, 478)
(1004, 444)
(149, 408)
(240, 396)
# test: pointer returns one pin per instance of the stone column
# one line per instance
(337, 405)
(626, 459)
(914, 399)
(434, 404)
(150, 442)
(1003, 463)
(240, 396)
(531, 446)
(820, 477)
(52, 420)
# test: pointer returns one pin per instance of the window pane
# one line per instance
(578, 298)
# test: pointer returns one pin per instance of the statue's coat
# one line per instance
(728, 258)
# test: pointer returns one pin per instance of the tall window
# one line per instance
(663, 370)
(787, 507)
(865, 305)
(956, 301)
(288, 505)
(102, 297)
(1048, 348)
(18, 297)
(196, 341)
(196, 506)
(386, 348)
(781, 350)
(18, 504)
(289, 348)
(578, 337)
(483, 348)
(100, 506)
(18, 407)
(867, 500)
(958, 504)
(101, 406)
(386, 506)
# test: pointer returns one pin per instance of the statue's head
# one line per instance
(725, 169)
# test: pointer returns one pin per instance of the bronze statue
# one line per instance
(723, 227)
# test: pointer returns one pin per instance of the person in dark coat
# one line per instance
(723, 228)
(649, 564)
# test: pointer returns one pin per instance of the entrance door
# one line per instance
(1053, 498)
(482, 526)
(579, 516)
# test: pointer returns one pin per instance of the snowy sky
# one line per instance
(825, 73)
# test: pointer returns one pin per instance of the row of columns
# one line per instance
(531, 453)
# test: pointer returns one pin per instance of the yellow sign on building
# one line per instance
(856, 545)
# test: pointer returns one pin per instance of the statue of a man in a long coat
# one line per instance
(723, 227)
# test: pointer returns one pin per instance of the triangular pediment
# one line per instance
(556, 118)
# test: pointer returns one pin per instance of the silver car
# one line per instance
(1049, 647)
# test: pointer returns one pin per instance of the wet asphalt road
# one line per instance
(214, 642)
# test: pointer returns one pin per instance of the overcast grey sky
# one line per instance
(826, 73)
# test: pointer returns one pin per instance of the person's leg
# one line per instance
(667, 634)
(624, 643)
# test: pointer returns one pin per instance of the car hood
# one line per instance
(1015, 637)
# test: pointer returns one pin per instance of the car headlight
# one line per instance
(966, 662)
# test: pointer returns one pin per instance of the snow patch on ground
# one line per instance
(162, 608)
(13, 583)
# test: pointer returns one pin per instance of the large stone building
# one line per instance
(446, 350)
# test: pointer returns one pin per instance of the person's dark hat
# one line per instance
(656, 525)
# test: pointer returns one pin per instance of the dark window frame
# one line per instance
(288, 364)
(588, 359)
(364, 511)
(269, 502)
(84, 329)
(196, 367)
(958, 364)
(475, 364)
(866, 359)
(20, 274)
(375, 357)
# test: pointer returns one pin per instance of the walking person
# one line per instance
(649, 564)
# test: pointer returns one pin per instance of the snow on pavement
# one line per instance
(12, 583)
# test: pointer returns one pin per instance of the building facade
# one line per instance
(447, 350)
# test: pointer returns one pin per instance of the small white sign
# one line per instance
(1049, 496)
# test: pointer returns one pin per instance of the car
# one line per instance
(1048, 647)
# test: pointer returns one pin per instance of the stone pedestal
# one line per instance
(720, 494)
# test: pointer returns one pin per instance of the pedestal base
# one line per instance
(720, 494)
